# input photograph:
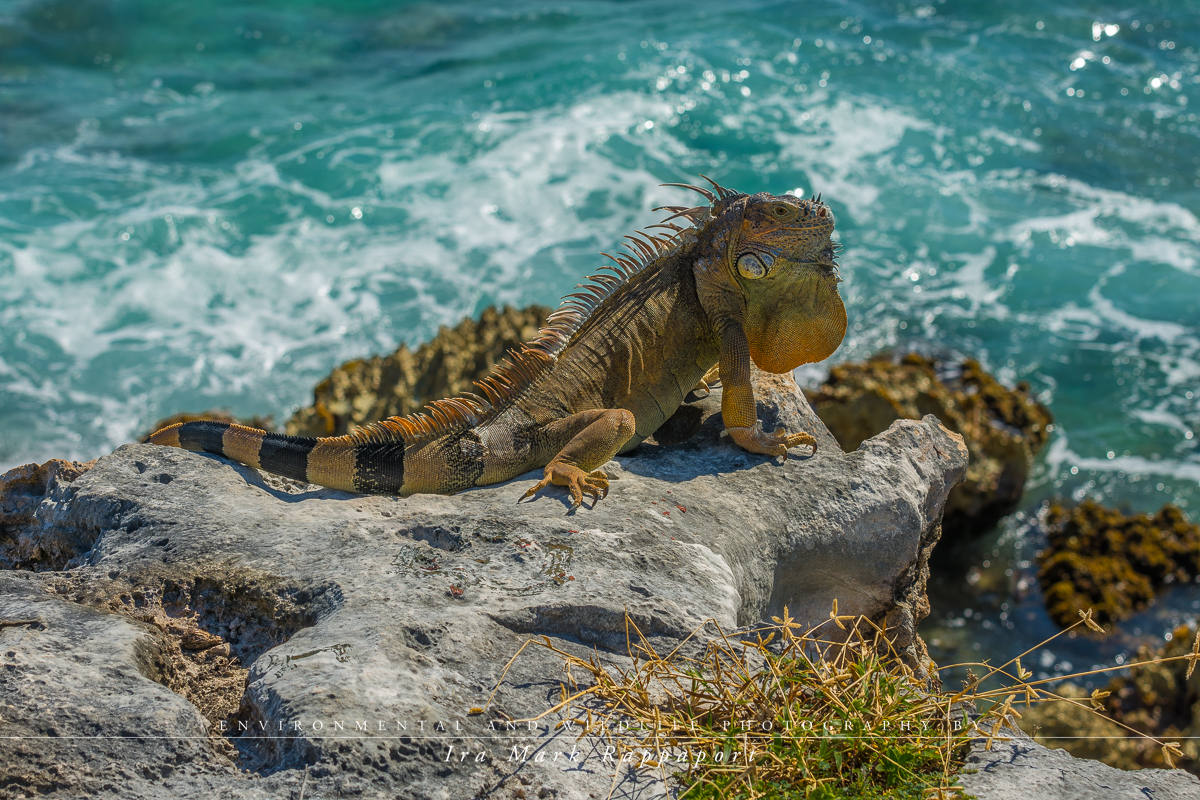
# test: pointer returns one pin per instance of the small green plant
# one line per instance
(794, 712)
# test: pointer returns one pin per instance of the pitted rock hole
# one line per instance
(441, 538)
(252, 613)
(214, 626)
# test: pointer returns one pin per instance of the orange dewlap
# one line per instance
(805, 328)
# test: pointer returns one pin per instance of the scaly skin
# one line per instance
(753, 280)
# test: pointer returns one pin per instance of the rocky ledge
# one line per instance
(172, 624)
(346, 638)
(1003, 428)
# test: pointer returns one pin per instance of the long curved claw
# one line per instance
(756, 440)
(537, 487)
(594, 484)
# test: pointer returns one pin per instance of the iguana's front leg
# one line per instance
(591, 439)
(737, 402)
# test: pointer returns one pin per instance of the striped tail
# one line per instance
(337, 462)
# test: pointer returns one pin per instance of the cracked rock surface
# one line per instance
(371, 625)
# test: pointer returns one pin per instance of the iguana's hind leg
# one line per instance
(592, 438)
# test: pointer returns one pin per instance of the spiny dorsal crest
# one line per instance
(512, 377)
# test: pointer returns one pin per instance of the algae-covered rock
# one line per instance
(1101, 559)
(367, 390)
(1083, 732)
(1160, 699)
(1003, 427)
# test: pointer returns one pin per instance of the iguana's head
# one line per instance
(779, 277)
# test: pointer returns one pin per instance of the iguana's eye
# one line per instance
(751, 266)
(781, 211)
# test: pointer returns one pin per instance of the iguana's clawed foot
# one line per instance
(756, 440)
(577, 481)
(704, 385)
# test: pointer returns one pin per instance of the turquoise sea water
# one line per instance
(212, 204)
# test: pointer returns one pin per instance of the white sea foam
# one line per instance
(842, 147)
(216, 314)
(1148, 230)
(970, 282)
(1059, 457)
(1137, 465)
(1159, 415)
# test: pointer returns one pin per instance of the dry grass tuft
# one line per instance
(790, 712)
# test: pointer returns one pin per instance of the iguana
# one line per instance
(754, 277)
